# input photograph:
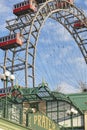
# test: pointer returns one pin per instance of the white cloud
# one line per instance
(66, 88)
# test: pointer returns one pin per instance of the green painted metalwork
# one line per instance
(57, 111)
(17, 94)
(14, 111)
(42, 92)
(8, 125)
(80, 100)
(56, 106)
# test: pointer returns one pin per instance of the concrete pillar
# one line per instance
(85, 120)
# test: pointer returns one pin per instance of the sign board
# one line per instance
(39, 121)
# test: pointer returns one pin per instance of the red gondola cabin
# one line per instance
(63, 4)
(79, 24)
(10, 41)
(3, 91)
(25, 7)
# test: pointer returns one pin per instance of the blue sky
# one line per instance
(58, 61)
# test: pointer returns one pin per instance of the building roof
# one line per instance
(79, 100)
(42, 92)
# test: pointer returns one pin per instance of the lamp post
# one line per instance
(71, 112)
(5, 77)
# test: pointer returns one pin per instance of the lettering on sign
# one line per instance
(41, 121)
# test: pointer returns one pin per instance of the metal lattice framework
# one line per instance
(29, 25)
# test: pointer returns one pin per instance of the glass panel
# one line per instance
(1, 40)
(18, 5)
(54, 115)
(49, 115)
(61, 115)
(0, 91)
(54, 106)
(61, 106)
(67, 106)
(22, 4)
(5, 38)
(49, 106)
(3, 91)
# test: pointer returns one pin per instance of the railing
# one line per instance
(21, 4)
(7, 38)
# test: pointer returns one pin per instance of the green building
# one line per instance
(41, 109)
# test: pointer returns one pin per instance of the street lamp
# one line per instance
(5, 77)
(7, 73)
(12, 77)
(72, 112)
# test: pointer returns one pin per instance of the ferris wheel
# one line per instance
(20, 46)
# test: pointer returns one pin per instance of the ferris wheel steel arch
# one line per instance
(30, 25)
